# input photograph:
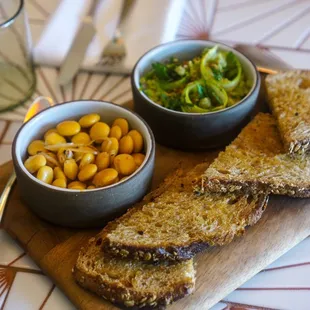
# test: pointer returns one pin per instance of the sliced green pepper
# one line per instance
(193, 109)
(232, 61)
(217, 92)
(205, 70)
(175, 84)
(214, 91)
(189, 88)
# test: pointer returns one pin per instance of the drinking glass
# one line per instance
(17, 78)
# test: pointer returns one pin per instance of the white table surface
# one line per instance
(283, 27)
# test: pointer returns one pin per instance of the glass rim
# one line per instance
(14, 16)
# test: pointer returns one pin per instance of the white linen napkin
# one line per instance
(150, 22)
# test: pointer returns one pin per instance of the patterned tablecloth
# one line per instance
(283, 27)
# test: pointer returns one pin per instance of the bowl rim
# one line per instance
(50, 187)
(136, 84)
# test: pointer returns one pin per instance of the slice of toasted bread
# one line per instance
(175, 223)
(256, 162)
(289, 99)
(129, 283)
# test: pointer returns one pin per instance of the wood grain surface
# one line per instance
(285, 223)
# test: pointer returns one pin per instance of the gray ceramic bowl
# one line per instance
(190, 130)
(75, 208)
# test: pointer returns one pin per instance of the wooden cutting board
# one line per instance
(285, 223)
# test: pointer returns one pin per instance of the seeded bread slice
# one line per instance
(256, 162)
(176, 223)
(132, 284)
(289, 100)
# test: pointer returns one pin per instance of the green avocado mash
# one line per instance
(206, 83)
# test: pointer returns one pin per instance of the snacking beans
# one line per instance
(86, 154)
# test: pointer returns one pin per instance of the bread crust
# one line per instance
(255, 187)
(135, 301)
(153, 254)
(127, 297)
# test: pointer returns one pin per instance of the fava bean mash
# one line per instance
(206, 83)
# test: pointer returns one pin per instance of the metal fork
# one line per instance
(115, 50)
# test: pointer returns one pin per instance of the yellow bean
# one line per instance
(77, 185)
(91, 187)
(99, 132)
(89, 120)
(68, 128)
(45, 174)
(81, 138)
(87, 172)
(105, 177)
(124, 164)
(112, 162)
(138, 158)
(60, 183)
(59, 174)
(71, 169)
(116, 132)
(126, 145)
(137, 140)
(78, 156)
(102, 161)
(87, 158)
(34, 163)
(123, 124)
(35, 147)
(54, 138)
(110, 145)
(50, 131)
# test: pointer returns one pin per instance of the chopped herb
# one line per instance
(160, 71)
